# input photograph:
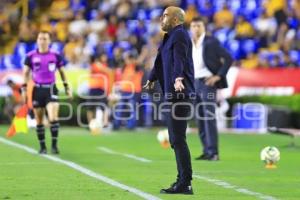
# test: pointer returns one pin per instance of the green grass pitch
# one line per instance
(26, 176)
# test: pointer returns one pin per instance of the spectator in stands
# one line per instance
(243, 29)
(122, 32)
(278, 9)
(251, 61)
(117, 60)
(98, 24)
(296, 7)
(83, 52)
(124, 9)
(273, 6)
(276, 61)
(297, 40)
(112, 26)
(59, 9)
(14, 101)
(136, 43)
(141, 30)
(263, 61)
(154, 26)
(61, 29)
(107, 6)
(148, 53)
(266, 28)
(45, 24)
(207, 12)
(5, 31)
(190, 13)
(27, 31)
(224, 18)
(287, 61)
(77, 5)
(69, 50)
(79, 25)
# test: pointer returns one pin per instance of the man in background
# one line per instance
(211, 64)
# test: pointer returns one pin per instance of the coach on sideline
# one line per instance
(173, 68)
(211, 64)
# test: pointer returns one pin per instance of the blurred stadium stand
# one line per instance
(258, 33)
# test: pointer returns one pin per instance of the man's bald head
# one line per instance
(172, 16)
(177, 13)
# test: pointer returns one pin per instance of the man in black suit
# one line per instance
(174, 70)
(211, 64)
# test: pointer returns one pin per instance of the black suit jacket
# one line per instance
(174, 59)
(217, 59)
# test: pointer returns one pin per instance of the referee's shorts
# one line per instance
(43, 94)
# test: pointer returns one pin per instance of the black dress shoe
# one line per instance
(54, 150)
(178, 189)
(43, 151)
(201, 157)
(214, 157)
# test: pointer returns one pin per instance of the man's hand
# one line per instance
(178, 85)
(211, 81)
(149, 85)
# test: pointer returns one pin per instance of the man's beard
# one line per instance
(166, 27)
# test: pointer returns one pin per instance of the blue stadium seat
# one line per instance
(218, 4)
(108, 47)
(20, 49)
(18, 61)
(155, 13)
(142, 14)
(7, 62)
(208, 12)
(124, 45)
(2, 66)
(249, 46)
(235, 6)
(57, 46)
(234, 48)
(295, 56)
(222, 35)
(298, 58)
(251, 9)
(132, 24)
(293, 22)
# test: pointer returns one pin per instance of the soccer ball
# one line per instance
(270, 155)
(95, 127)
(163, 138)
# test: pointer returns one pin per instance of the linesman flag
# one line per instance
(19, 123)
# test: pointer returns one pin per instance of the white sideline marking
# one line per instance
(214, 181)
(24, 163)
(110, 151)
(83, 170)
(235, 188)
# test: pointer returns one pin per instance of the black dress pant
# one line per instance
(177, 125)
